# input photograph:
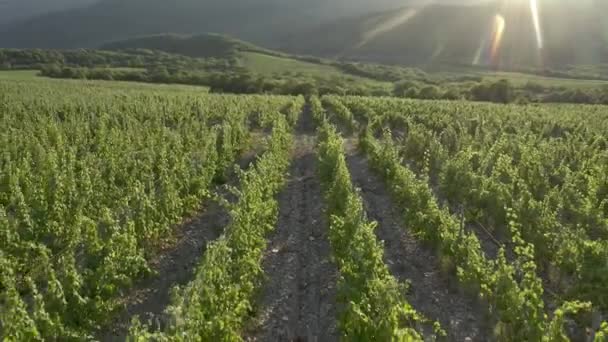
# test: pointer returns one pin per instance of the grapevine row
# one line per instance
(513, 292)
(215, 304)
(550, 168)
(374, 305)
(422, 151)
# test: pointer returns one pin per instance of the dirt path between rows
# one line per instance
(433, 293)
(173, 267)
(298, 301)
(176, 264)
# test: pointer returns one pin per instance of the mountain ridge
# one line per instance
(260, 21)
(419, 33)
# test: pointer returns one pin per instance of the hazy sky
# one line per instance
(11, 10)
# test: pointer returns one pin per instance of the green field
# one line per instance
(269, 65)
(520, 79)
(273, 65)
(32, 75)
(18, 74)
(99, 180)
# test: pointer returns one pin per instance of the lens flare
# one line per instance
(536, 20)
(499, 30)
(386, 26)
(438, 51)
(480, 50)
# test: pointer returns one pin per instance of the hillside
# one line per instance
(504, 34)
(261, 21)
(197, 46)
(250, 57)
(226, 64)
(501, 34)
(216, 61)
(111, 20)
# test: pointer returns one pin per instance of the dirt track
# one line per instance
(298, 302)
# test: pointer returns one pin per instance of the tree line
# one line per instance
(227, 75)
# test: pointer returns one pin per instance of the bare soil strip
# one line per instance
(491, 244)
(432, 292)
(298, 302)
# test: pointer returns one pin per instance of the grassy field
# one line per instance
(272, 65)
(521, 79)
(127, 69)
(31, 75)
(268, 65)
(276, 66)
(18, 74)
(518, 78)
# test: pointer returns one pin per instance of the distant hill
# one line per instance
(260, 21)
(409, 32)
(110, 20)
(227, 64)
(250, 57)
(198, 46)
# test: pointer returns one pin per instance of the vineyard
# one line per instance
(169, 214)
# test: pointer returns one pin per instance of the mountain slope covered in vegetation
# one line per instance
(503, 34)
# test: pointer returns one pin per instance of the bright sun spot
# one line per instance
(536, 19)
(499, 30)
(489, 50)
(386, 26)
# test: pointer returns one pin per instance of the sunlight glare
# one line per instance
(477, 57)
(499, 29)
(438, 51)
(536, 19)
(388, 25)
